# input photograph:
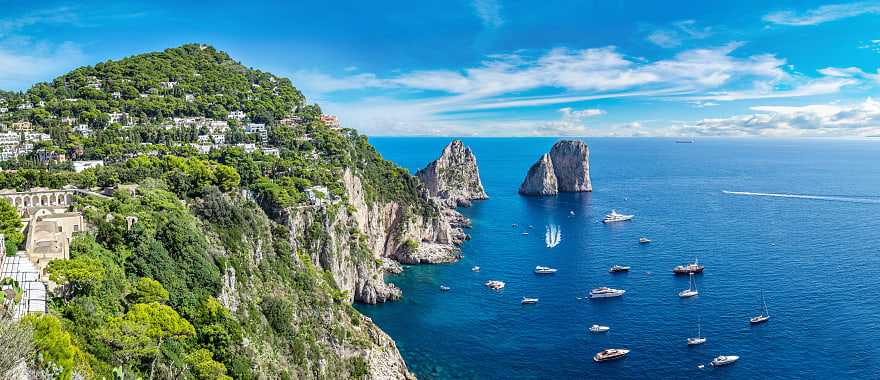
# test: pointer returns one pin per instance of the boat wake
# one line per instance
(831, 198)
(553, 236)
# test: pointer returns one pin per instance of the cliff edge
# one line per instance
(565, 169)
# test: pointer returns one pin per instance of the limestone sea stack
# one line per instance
(454, 178)
(565, 169)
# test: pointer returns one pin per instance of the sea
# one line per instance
(795, 220)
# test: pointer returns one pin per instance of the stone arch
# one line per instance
(59, 199)
(44, 200)
(27, 201)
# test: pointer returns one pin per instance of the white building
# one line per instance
(189, 98)
(36, 137)
(83, 130)
(116, 95)
(10, 138)
(271, 151)
(258, 129)
(118, 117)
(237, 115)
(79, 166)
(218, 138)
(204, 139)
(248, 148)
(25, 106)
(168, 85)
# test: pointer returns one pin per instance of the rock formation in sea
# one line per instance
(565, 169)
(454, 178)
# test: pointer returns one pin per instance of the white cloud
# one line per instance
(872, 45)
(573, 115)
(489, 12)
(822, 14)
(819, 120)
(679, 32)
(767, 90)
(22, 67)
(850, 72)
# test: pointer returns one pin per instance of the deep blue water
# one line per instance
(816, 260)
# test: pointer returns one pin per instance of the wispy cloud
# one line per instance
(818, 120)
(489, 12)
(872, 45)
(678, 33)
(20, 69)
(822, 14)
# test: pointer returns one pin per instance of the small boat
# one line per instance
(475, 269)
(514, 225)
(765, 314)
(529, 301)
(616, 217)
(495, 284)
(684, 141)
(571, 212)
(699, 339)
(644, 240)
(610, 354)
(531, 226)
(544, 270)
(599, 329)
(618, 269)
(691, 290)
(525, 233)
(605, 292)
(444, 288)
(724, 360)
(691, 268)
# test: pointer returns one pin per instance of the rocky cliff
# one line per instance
(565, 169)
(454, 177)
(541, 179)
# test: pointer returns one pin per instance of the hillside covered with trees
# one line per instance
(197, 274)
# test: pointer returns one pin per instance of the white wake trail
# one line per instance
(553, 236)
(805, 196)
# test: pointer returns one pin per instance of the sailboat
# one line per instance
(700, 339)
(765, 314)
(691, 290)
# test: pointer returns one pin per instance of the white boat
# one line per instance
(616, 217)
(691, 291)
(495, 284)
(525, 233)
(475, 269)
(553, 236)
(529, 301)
(544, 270)
(765, 314)
(724, 360)
(605, 292)
(699, 339)
(618, 268)
(644, 240)
(610, 354)
(599, 329)
(444, 288)
(571, 212)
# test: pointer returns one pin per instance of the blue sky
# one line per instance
(506, 68)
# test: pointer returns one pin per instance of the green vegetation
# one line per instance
(196, 275)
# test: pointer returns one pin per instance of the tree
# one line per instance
(54, 344)
(148, 290)
(205, 367)
(10, 226)
(81, 274)
(141, 332)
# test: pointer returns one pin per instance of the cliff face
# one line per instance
(541, 179)
(454, 177)
(566, 168)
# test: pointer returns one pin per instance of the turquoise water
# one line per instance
(816, 259)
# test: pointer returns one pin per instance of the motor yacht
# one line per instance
(644, 240)
(599, 329)
(724, 360)
(616, 217)
(529, 301)
(495, 284)
(692, 268)
(610, 354)
(475, 269)
(618, 269)
(605, 292)
(444, 288)
(544, 270)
